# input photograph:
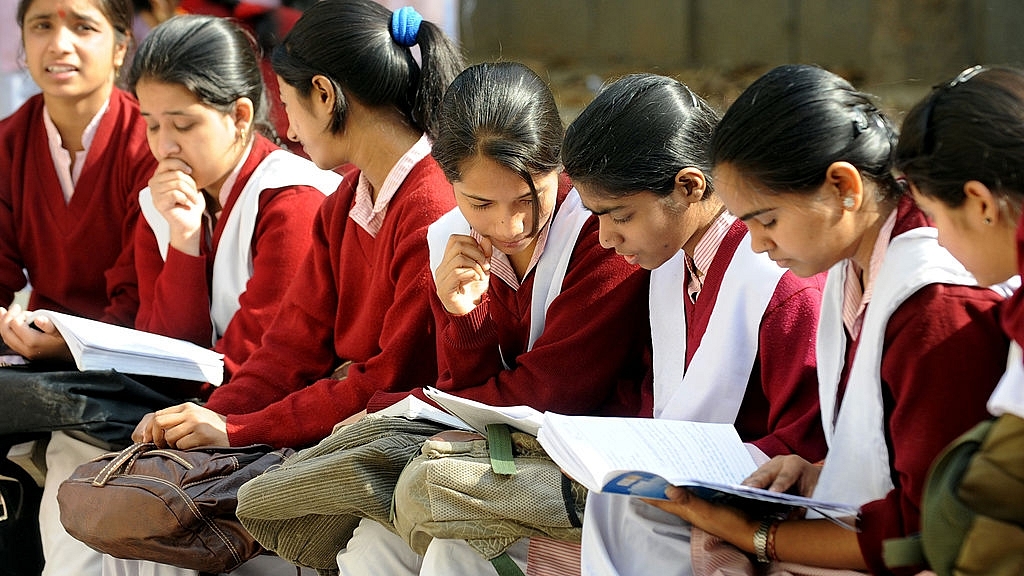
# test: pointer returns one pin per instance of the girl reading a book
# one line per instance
(733, 333)
(226, 216)
(960, 150)
(805, 160)
(72, 161)
(530, 309)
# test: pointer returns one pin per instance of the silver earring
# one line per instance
(988, 220)
(848, 202)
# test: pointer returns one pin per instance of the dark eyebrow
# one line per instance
(755, 213)
(599, 212)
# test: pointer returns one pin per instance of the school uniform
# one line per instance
(569, 337)
(741, 351)
(913, 374)
(255, 247)
(360, 296)
(1008, 398)
(77, 252)
(262, 234)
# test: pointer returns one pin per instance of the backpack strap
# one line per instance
(900, 552)
(499, 444)
(504, 564)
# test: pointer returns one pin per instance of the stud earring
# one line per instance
(848, 202)
(988, 220)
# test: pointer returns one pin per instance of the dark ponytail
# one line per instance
(791, 124)
(350, 42)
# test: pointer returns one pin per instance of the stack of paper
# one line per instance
(479, 415)
(100, 346)
(643, 456)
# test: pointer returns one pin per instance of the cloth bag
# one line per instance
(174, 507)
(452, 491)
(101, 407)
(306, 509)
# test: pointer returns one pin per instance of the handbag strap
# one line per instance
(504, 564)
(122, 462)
(499, 445)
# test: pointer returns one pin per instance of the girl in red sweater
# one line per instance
(227, 214)
(73, 160)
(733, 334)
(359, 301)
(806, 161)
(530, 308)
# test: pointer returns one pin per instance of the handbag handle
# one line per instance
(122, 462)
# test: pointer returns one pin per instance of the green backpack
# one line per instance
(972, 507)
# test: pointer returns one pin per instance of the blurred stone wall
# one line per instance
(894, 48)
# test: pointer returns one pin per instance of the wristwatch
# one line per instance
(761, 541)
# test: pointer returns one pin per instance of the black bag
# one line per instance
(103, 405)
(21, 552)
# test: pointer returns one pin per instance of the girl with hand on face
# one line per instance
(354, 95)
(73, 160)
(227, 213)
(806, 161)
(530, 309)
(732, 333)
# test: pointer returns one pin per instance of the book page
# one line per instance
(413, 408)
(675, 450)
(479, 415)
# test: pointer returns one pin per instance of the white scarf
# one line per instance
(856, 469)
(232, 264)
(713, 387)
(1008, 396)
(550, 271)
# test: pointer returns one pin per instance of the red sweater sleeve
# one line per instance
(588, 360)
(944, 354)
(281, 396)
(788, 374)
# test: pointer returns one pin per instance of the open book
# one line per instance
(478, 415)
(643, 456)
(100, 346)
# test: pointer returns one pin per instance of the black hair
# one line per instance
(212, 57)
(504, 112)
(791, 124)
(118, 12)
(350, 43)
(637, 134)
(971, 128)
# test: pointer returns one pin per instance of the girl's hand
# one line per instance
(178, 200)
(41, 342)
(183, 426)
(726, 522)
(782, 473)
(464, 274)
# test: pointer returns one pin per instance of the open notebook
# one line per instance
(100, 346)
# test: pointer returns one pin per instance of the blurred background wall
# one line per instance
(895, 49)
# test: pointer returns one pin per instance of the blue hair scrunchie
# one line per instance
(405, 26)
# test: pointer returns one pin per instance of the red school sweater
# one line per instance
(780, 413)
(590, 359)
(943, 354)
(77, 253)
(174, 296)
(355, 298)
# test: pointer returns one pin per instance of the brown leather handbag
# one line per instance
(175, 507)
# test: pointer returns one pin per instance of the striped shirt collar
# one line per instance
(856, 298)
(370, 214)
(705, 252)
(61, 157)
